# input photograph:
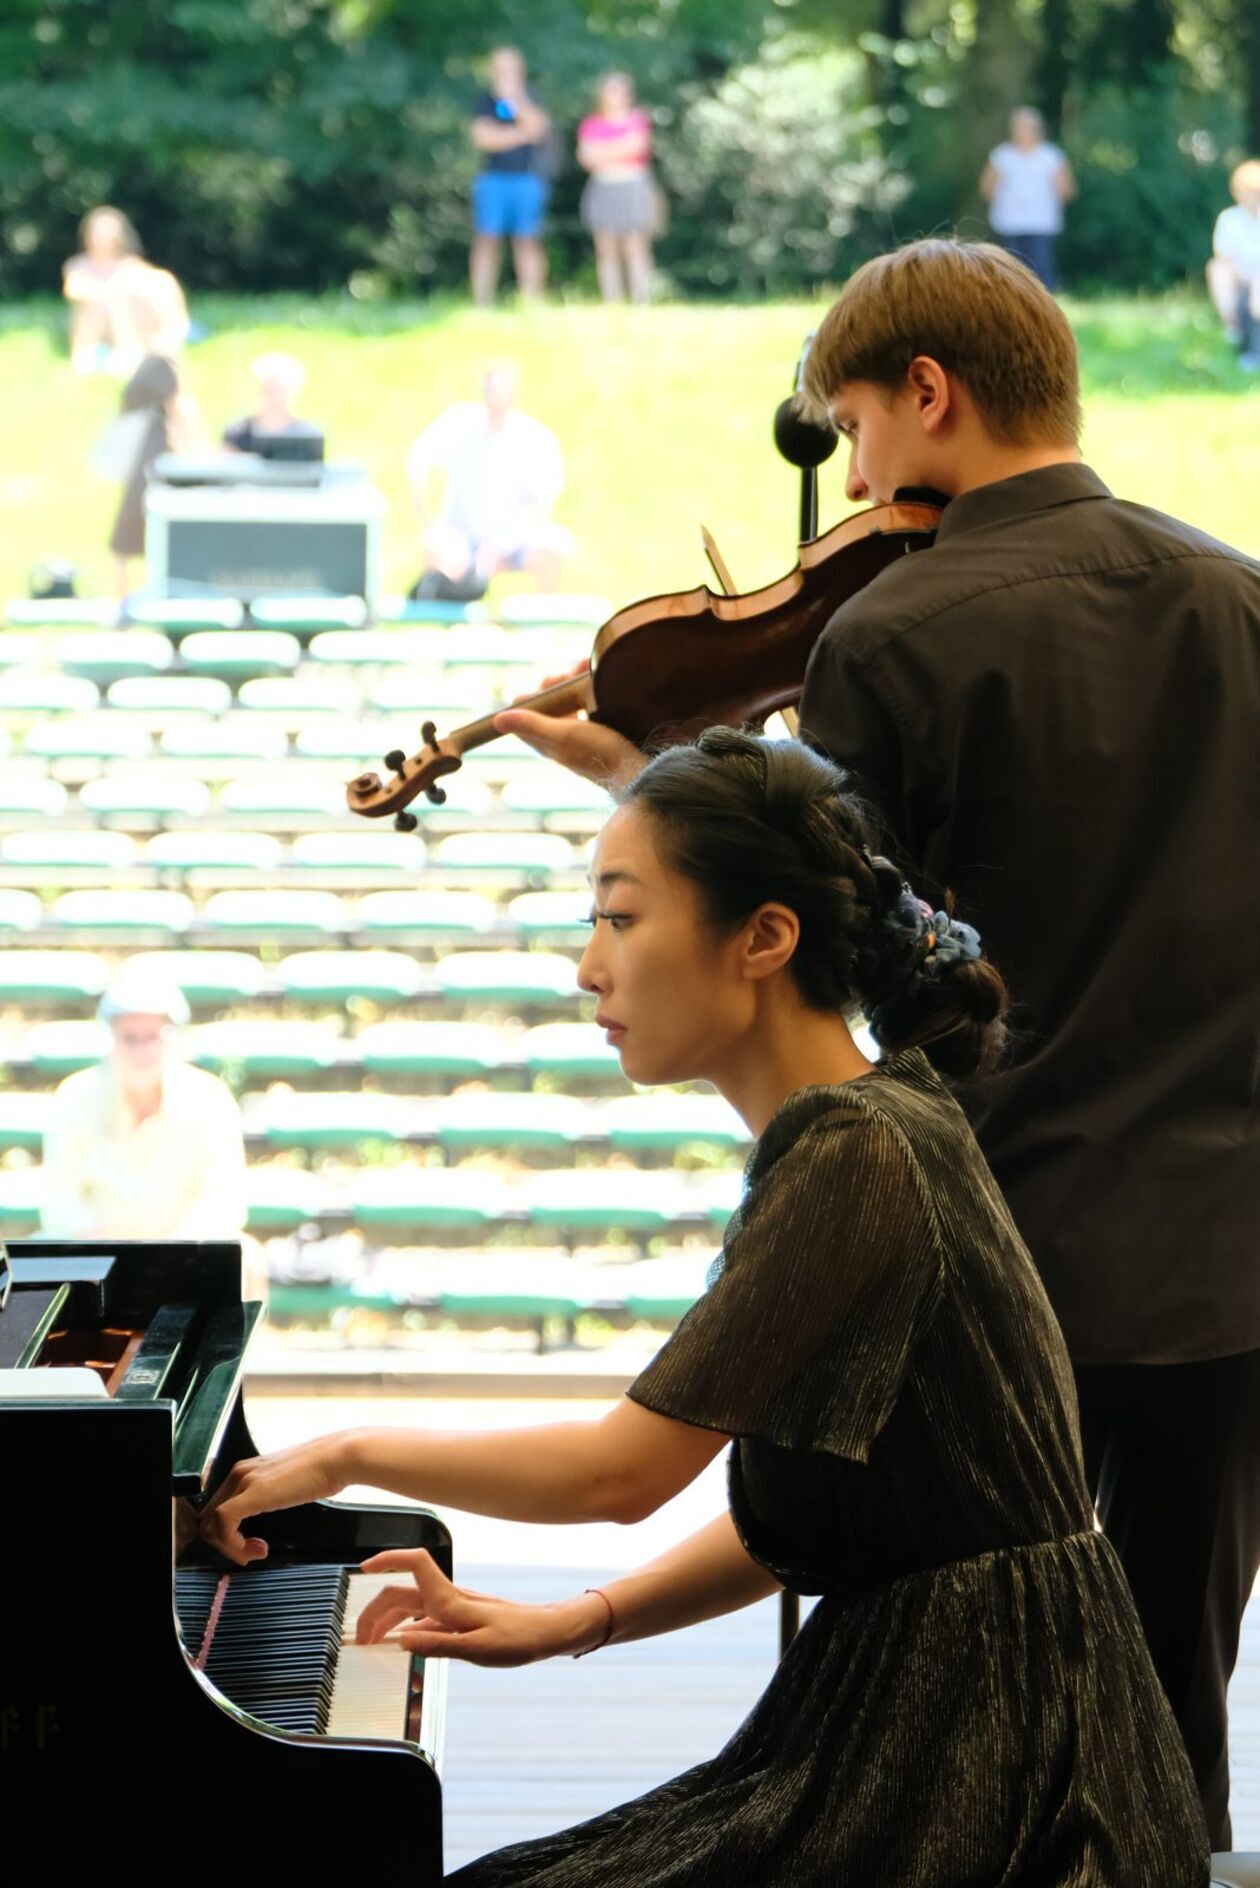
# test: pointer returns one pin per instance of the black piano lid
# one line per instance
(86, 1274)
(146, 1272)
(211, 1396)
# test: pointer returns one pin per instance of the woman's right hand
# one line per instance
(437, 1619)
(585, 747)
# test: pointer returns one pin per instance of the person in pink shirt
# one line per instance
(620, 203)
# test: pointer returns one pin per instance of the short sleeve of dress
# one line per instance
(828, 1279)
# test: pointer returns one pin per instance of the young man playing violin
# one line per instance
(1055, 710)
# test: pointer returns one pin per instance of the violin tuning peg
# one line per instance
(428, 733)
(436, 795)
(395, 760)
(405, 822)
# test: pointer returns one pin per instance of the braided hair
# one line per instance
(752, 821)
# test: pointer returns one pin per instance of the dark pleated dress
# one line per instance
(971, 1703)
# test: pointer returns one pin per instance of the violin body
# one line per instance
(664, 669)
(669, 667)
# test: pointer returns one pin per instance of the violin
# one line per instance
(664, 669)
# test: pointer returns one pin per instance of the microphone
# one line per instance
(803, 443)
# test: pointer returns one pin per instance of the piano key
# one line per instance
(282, 1648)
(372, 1692)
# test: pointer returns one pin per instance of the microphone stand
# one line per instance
(805, 445)
(809, 503)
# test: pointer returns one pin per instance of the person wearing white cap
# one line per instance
(142, 1146)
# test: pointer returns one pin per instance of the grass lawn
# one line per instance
(664, 415)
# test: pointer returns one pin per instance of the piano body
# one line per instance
(150, 1693)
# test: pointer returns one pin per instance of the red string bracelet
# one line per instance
(608, 1629)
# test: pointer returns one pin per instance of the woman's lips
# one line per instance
(611, 1029)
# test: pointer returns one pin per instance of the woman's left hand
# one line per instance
(440, 1620)
(311, 1471)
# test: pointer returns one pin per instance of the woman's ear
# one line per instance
(768, 941)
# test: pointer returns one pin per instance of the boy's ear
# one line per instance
(930, 390)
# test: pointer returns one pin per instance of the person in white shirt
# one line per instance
(1233, 274)
(502, 472)
(142, 1146)
(1026, 183)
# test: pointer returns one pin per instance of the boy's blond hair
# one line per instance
(974, 309)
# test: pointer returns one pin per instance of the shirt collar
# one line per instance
(1019, 497)
(119, 1110)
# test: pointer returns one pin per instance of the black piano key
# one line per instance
(276, 1639)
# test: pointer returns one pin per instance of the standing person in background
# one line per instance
(142, 1146)
(510, 130)
(1026, 183)
(147, 424)
(619, 204)
(123, 307)
(1233, 274)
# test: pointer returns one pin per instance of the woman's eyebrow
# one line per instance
(613, 878)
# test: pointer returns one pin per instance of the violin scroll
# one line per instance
(376, 799)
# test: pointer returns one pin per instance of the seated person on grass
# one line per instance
(503, 472)
(280, 378)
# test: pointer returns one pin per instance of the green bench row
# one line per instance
(461, 1123)
(418, 1202)
(468, 1287)
(427, 920)
(180, 615)
(502, 798)
(74, 977)
(391, 855)
(314, 695)
(235, 655)
(117, 735)
(267, 1048)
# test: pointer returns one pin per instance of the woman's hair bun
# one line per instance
(753, 821)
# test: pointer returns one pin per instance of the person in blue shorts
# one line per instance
(510, 130)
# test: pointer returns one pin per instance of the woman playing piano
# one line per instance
(971, 1700)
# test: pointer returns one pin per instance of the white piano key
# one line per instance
(372, 1683)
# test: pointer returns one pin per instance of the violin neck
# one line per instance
(562, 698)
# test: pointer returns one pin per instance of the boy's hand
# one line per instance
(585, 747)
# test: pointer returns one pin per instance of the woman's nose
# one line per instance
(588, 969)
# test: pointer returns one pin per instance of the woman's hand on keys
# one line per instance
(311, 1471)
(438, 1620)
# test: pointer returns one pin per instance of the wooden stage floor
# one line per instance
(532, 1750)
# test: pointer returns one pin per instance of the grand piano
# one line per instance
(161, 1708)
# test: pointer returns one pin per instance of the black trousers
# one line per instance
(1172, 1453)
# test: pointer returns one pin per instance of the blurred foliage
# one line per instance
(313, 144)
(1152, 182)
